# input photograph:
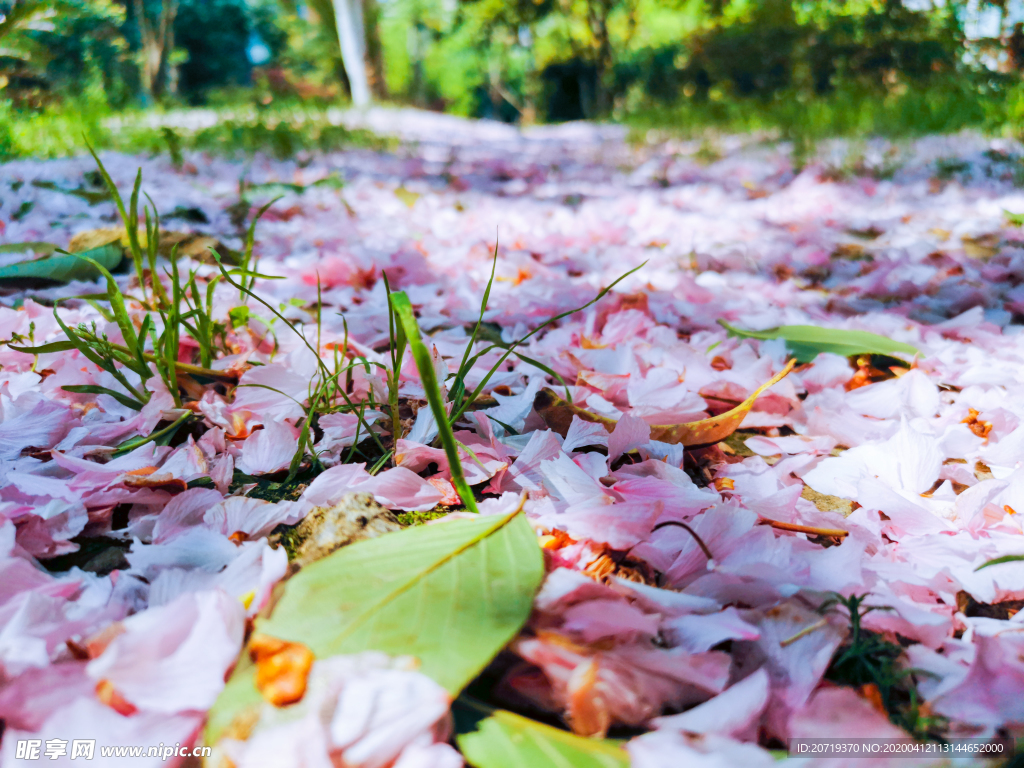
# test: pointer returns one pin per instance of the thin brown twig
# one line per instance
(795, 528)
(698, 539)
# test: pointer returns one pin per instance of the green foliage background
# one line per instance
(802, 68)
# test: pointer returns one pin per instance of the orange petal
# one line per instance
(141, 471)
(108, 694)
(588, 714)
(96, 644)
(282, 669)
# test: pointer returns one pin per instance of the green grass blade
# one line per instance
(116, 299)
(460, 409)
(93, 389)
(425, 365)
(320, 363)
(161, 437)
(109, 182)
(459, 385)
(250, 240)
(1001, 560)
(42, 349)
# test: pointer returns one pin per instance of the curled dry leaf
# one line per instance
(557, 414)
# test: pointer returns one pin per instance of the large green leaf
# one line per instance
(805, 342)
(65, 267)
(451, 594)
(506, 740)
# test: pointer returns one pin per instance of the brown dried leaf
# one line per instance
(557, 414)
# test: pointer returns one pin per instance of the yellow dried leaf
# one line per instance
(557, 414)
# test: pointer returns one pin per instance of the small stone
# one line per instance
(354, 518)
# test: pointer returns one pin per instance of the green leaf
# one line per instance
(31, 247)
(805, 342)
(1001, 560)
(507, 740)
(65, 267)
(239, 316)
(42, 349)
(452, 595)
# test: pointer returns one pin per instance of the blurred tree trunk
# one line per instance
(348, 16)
(374, 50)
(157, 45)
(598, 12)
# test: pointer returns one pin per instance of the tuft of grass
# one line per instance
(152, 348)
(282, 133)
(461, 401)
(872, 663)
(405, 330)
(944, 107)
(54, 132)
(177, 303)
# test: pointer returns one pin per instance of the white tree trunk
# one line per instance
(352, 36)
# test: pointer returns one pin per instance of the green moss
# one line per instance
(407, 519)
(737, 441)
(289, 537)
(272, 490)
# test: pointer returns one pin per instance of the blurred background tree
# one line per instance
(68, 46)
(850, 64)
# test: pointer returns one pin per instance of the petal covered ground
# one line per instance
(684, 604)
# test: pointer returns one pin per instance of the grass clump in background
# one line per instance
(283, 132)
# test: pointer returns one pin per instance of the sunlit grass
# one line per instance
(282, 132)
(940, 108)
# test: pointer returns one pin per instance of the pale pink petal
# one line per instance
(696, 633)
(733, 712)
(629, 434)
(583, 433)
(174, 658)
(252, 517)
(269, 449)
